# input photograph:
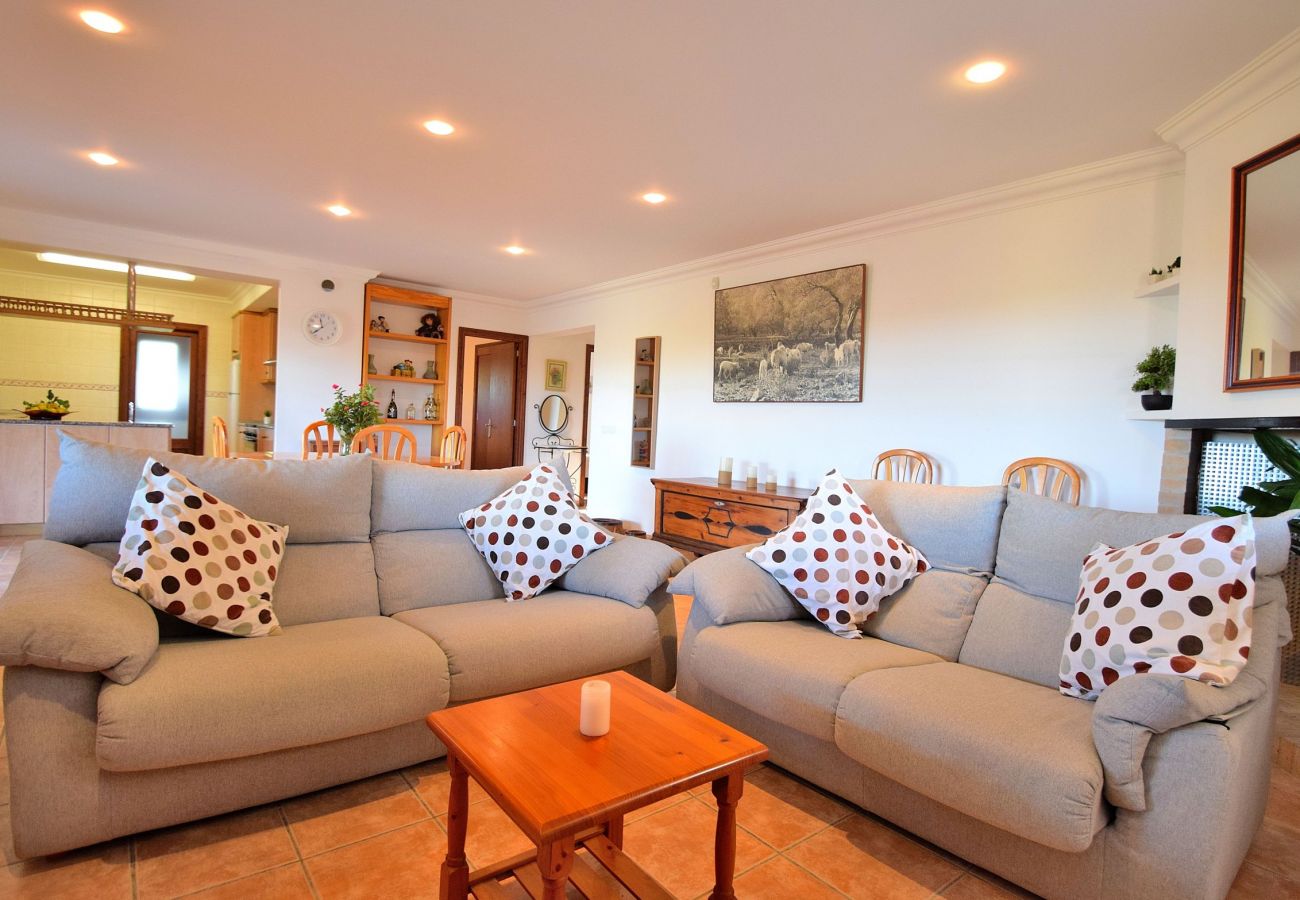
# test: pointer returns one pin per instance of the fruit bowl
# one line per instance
(43, 414)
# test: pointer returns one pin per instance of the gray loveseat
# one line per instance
(947, 719)
(120, 720)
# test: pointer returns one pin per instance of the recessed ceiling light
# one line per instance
(339, 210)
(111, 265)
(102, 21)
(654, 198)
(101, 158)
(986, 71)
(515, 250)
(439, 127)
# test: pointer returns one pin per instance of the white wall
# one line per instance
(572, 348)
(1203, 300)
(1002, 335)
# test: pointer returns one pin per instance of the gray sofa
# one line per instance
(120, 720)
(947, 719)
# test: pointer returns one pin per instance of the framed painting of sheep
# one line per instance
(792, 340)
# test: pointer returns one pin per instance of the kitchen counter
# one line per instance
(72, 422)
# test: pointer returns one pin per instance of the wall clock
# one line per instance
(321, 327)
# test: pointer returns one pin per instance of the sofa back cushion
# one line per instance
(408, 497)
(956, 528)
(1017, 634)
(431, 568)
(323, 582)
(932, 613)
(321, 501)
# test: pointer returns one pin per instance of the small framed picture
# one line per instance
(557, 375)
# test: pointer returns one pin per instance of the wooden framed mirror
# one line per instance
(1263, 340)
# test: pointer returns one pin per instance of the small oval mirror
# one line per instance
(553, 413)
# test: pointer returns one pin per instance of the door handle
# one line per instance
(489, 428)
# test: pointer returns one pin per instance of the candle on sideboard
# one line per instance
(751, 478)
(724, 471)
(593, 713)
(770, 486)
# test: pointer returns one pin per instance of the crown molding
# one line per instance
(1131, 168)
(224, 260)
(1271, 73)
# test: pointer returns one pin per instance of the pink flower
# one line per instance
(336, 387)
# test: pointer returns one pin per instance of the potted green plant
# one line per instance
(1155, 374)
(266, 417)
(1271, 498)
(352, 412)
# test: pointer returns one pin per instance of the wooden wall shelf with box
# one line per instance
(700, 516)
(403, 311)
(645, 401)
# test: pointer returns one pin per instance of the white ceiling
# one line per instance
(241, 119)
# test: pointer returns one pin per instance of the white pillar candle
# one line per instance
(725, 465)
(752, 472)
(593, 715)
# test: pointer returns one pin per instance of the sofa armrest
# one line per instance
(731, 588)
(1133, 709)
(630, 569)
(62, 611)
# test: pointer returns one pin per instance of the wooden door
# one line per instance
(493, 441)
(163, 378)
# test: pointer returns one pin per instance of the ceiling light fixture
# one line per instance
(515, 250)
(102, 21)
(654, 198)
(439, 127)
(111, 265)
(985, 72)
(339, 210)
(99, 157)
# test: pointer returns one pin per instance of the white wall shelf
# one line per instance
(1166, 288)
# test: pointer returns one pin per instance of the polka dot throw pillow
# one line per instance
(1179, 604)
(532, 533)
(837, 559)
(198, 558)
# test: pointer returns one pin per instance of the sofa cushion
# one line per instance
(1015, 755)
(1043, 542)
(431, 568)
(933, 613)
(320, 582)
(320, 501)
(955, 527)
(631, 569)
(1017, 634)
(496, 647)
(216, 698)
(1178, 604)
(791, 672)
(198, 558)
(730, 587)
(837, 560)
(423, 498)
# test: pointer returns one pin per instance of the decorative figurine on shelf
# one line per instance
(404, 369)
(410, 410)
(379, 324)
(645, 354)
(428, 409)
(430, 326)
(642, 451)
(431, 370)
(370, 364)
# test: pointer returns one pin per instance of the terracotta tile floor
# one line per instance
(385, 836)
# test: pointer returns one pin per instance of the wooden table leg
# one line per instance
(727, 792)
(614, 831)
(455, 869)
(555, 859)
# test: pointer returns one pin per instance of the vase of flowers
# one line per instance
(352, 412)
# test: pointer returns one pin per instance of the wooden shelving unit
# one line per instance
(402, 309)
(645, 401)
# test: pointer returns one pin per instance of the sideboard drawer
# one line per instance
(722, 523)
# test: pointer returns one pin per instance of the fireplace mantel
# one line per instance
(1234, 424)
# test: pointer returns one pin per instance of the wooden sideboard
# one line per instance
(700, 516)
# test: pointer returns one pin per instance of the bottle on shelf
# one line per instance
(434, 398)
(392, 405)
(428, 408)
(410, 410)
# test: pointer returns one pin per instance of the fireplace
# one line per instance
(1206, 463)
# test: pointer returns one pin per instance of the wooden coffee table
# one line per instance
(566, 791)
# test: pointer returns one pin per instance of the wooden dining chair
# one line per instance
(220, 438)
(904, 465)
(391, 442)
(1055, 479)
(319, 441)
(452, 452)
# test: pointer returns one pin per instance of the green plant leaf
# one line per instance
(1226, 511)
(1280, 452)
(1263, 503)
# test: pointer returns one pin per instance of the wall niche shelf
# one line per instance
(1165, 288)
(645, 401)
(402, 309)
